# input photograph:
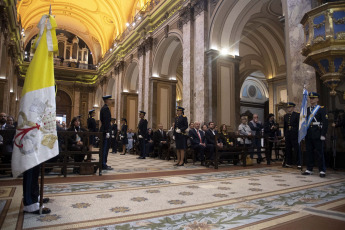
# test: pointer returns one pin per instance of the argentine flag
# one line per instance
(36, 137)
(302, 130)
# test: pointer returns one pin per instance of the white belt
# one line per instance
(315, 123)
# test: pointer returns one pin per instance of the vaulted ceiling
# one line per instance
(97, 22)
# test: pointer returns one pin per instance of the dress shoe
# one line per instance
(141, 158)
(107, 168)
(176, 164)
(45, 200)
(181, 164)
(123, 154)
(299, 167)
(44, 211)
(287, 166)
(258, 160)
(114, 152)
(307, 172)
(322, 174)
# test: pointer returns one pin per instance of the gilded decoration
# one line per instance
(326, 53)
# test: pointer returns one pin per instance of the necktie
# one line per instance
(198, 135)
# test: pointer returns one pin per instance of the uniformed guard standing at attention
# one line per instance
(291, 125)
(92, 127)
(105, 117)
(181, 124)
(317, 124)
(142, 133)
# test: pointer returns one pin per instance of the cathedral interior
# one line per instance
(219, 60)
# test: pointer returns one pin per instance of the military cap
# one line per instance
(179, 108)
(124, 119)
(106, 97)
(290, 104)
(314, 95)
(92, 110)
(142, 112)
(113, 119)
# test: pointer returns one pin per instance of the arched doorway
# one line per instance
(64, 106)
(130, 95)
(167, 81)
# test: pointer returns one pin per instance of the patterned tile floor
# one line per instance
(252, 197)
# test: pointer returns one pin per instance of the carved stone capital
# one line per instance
(148, 44)
(141, 50)
(199, 6)
(186, 14)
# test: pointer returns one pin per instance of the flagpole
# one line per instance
(43, 165)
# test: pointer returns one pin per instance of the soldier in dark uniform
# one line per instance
(181, 124)
(142, 133)
(105, 117)
(92, 127)
(291, 125)
(113, 135)
(317, 119)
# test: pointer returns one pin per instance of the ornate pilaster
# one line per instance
(148, 97)
(199, 6)
(120, 66)
(186, 14)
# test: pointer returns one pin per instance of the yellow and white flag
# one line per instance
(36, 138)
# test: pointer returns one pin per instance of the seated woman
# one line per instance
(130, 135)
(225, 142)
(149, 142)
(75, 142)
(244, 130)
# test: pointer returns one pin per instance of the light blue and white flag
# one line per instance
(302, 130)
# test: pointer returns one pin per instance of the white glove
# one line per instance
(140, 136)
(121, 137)
(107, 135)
(322, 138)
(178, 130)
(112, 136)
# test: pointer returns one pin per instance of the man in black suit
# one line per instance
(210, 140)
(317, 120)
(198, 141)
(160, 140)
(256, 127)
(113, 135)
(291, 126)
(142, 133)
(105, 117)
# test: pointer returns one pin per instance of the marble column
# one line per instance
(147, 85)
(186, 15)
(141, 51)
(200, 92)
(75, 109)
(298, 73)
(115, 94)
(120, 88)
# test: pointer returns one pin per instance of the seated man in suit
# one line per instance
(197, 138)
(160, 140)
(210, 140)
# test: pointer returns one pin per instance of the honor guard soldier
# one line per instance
(181, 124)
(291, 125)
(105, 117)
(142, 132)
(317, 125)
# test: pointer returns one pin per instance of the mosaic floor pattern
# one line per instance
(254, 198)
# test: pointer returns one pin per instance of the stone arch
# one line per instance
(98, 97)
(110, 87)
(167, 56)
(131, 77)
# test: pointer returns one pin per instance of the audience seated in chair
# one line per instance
(149, 142)
(75, 142)
(197, 138)
(160, 140)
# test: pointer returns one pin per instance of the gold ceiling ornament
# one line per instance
(324, 30)
(104, 19)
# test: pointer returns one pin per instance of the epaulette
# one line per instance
(322, 106)
(184, 115)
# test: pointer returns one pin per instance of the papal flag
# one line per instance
(36, 138)
(302, 130)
